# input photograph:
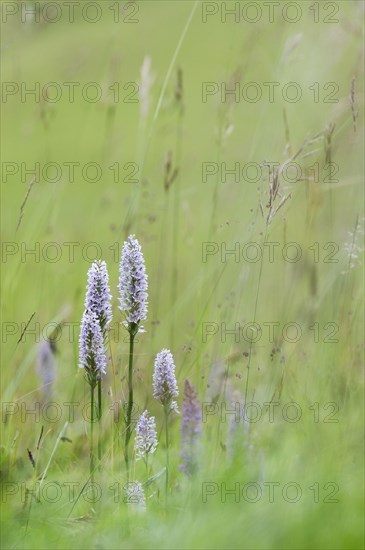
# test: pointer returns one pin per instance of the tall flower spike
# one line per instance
(191, 429)
(133, 285)
(98, 294)
(164, 380)
(146, 436)
(92, 352)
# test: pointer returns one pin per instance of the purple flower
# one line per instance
(191, 429)
(134, 494)
(146, 436)
(133, 285)
(98, 294)
(164, 381)
(92, 352)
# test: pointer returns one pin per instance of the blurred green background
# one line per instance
(168, 50)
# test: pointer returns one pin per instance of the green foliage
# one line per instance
(165, 197)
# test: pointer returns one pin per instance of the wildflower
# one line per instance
(92, 352)
(190, 429)
(164, 380)
(146, 436)
(134, 494)
(133, 285)
(98, 294)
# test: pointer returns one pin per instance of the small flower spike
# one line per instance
(164, 381)
(92, 352)
(191, 429)
(146, 436)
(134, 495)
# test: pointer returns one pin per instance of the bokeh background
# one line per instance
(151, 134)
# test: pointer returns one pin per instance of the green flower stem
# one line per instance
(128, 432)
(99, 421)
(92, 400)
(167, 449)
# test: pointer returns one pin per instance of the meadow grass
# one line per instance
(46, 497)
